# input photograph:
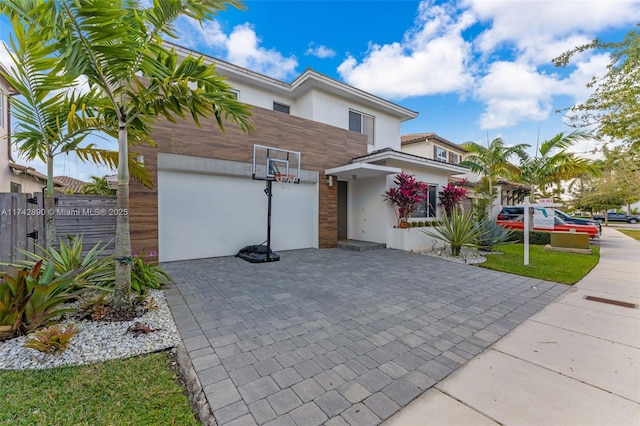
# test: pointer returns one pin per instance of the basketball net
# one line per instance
(286, 180)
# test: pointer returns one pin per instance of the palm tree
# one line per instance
(50, 121)
(119, 48)
(553, 164)
(492, 162)
(99, 186)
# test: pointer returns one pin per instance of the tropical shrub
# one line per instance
(492, 234)
(539, 238)
(44, 293)
(406, 197)
(92, 270)
(145, 275)
(13, 300)
(458, 230)
(52, 339)
(451, 197)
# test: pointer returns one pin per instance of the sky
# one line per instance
(474, 70)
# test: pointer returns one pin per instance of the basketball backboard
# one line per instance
(275, 164)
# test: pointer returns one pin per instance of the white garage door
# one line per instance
(204, 215)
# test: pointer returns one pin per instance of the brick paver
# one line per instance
(336, 336)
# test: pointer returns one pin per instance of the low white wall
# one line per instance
(412, 239)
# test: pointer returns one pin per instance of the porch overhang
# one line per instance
(360, 171)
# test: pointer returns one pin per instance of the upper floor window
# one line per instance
(281, 107)
(16, 188)
(362, 123)
(441, 154)
(454, 158)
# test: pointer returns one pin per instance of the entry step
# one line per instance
(357, 245)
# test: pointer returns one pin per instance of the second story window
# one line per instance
(281, 107)
(362, 123)
(441, 154)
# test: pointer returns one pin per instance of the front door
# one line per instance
(342, 210)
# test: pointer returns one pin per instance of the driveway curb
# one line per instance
(197, 398)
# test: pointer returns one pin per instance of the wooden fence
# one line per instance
(22, 224)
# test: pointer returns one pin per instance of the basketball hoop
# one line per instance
(286, 180)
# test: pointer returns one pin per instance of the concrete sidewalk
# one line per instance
(577, 361)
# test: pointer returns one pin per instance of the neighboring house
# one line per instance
(435, 147)
(205, 204)
(14, 177)
(27, 180)
(69, 185)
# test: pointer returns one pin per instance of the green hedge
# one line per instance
(535, 237)
(420, 224)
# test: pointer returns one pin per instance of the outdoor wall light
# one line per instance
(330, 180)
(140, 159)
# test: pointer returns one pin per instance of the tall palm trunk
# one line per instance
(121, 296)
(50, 206)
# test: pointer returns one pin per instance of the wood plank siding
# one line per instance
(321, 147)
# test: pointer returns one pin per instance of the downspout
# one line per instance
(9, 129)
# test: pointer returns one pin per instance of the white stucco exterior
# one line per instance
(317, 97)
(5, 177)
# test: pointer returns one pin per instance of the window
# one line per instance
(428, 208)
(16, 188)
(281, 107)
(441, 154)
(362, 123)
(454, 158)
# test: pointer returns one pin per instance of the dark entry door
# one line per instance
(342, 210)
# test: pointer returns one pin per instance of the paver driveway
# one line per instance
(335, 336)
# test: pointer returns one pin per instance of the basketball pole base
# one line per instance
(257, 254)
(260, 253)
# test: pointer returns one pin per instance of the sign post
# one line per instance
(543, 218)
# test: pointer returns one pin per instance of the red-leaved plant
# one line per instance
(406, 197)
(451, 197)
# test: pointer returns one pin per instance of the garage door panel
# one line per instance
(209, 216)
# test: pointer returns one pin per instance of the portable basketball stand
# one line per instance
(270, 164)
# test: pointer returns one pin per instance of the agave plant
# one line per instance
(36, 294)
(492, 234)
(92, 270)
(457, 229)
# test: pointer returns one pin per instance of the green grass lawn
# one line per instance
(561, 267)
(138, 391)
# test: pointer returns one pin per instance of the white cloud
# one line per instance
(240, 47)
(433, 58)
(514, 92)
(534, 32)
(530, 24)
(321, 51)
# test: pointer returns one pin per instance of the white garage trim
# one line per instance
(209, 215)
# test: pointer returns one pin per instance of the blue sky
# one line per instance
(473, 69)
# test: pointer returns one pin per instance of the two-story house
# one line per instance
(205, 203)
(433, 146)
